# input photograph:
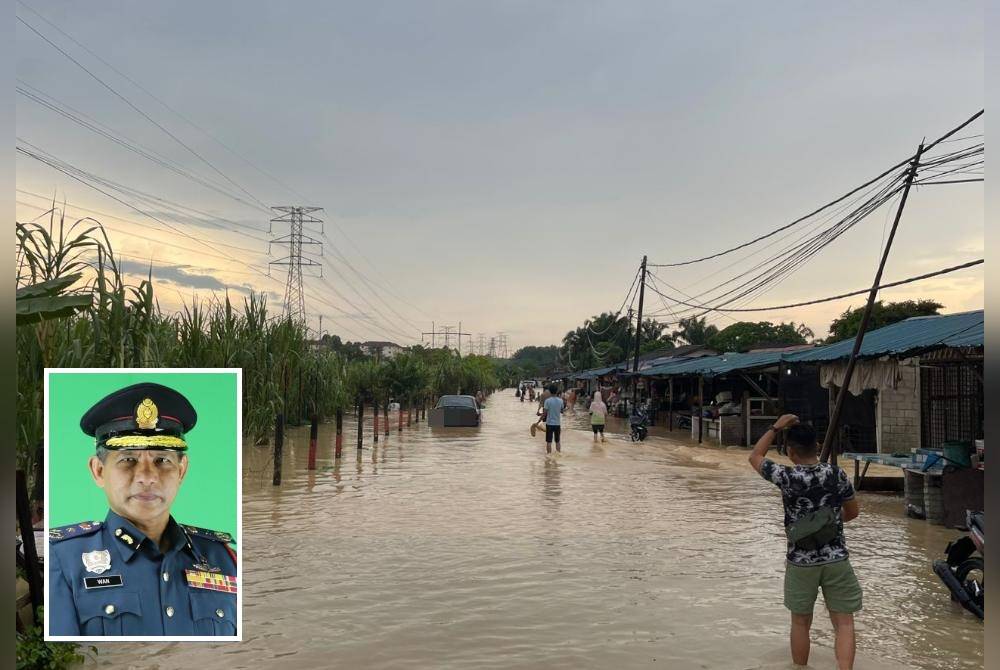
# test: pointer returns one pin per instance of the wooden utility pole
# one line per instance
(361, 423)
(279, 447)
(638, 338)
(701, 406)
(829, 453)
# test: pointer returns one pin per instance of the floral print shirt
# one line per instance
(804, 489)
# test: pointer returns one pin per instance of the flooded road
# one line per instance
(468, 548)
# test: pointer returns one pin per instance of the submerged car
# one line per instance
(454, 410)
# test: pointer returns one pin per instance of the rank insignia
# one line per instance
(212, 581)
(97, 561)
(55, 534)
(205, 567)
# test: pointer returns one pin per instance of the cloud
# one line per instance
(178, 274)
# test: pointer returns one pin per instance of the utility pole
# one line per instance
(296, 217)
(829, 453)
(638, 338)
(320, 335)
(638, 323)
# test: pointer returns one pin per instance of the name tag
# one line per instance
(102, 582)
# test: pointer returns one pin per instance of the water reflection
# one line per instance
(551, 487)
(469, 548)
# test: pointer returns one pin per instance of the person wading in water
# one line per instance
(598, 415)
(553, 408)
(818, 498)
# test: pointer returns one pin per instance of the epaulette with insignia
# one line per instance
(216, 535)
(74, 530)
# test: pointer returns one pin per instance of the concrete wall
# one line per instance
(898, 412)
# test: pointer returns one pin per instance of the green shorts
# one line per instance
(841, 589)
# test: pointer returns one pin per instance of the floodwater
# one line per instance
(469, 548)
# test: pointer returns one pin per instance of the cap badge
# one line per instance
(146, 414)
(97, 561)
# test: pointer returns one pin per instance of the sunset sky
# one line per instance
(503, 165)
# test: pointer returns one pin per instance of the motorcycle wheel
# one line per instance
(972, 567)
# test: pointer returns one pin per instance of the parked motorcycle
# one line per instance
(962, 570)
(638, 425)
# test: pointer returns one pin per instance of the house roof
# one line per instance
(908, 337)
(714, 366)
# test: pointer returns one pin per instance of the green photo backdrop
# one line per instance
(207, 498)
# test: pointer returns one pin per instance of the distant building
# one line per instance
(382, 350)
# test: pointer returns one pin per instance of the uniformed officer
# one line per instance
(139, 572)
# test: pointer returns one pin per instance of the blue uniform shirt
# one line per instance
(107, 578)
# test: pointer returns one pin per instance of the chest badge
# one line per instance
(212, 581)
(97, 561)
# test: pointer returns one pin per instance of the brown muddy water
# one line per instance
(468, 548)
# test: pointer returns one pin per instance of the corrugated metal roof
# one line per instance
(596, 372)
(906, 337)
(714, 366)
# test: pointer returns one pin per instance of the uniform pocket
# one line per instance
(110, 612)
(214, 612)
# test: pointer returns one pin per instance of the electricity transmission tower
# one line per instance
(296, 218)
(501, 346)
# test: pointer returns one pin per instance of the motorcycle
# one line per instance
(637, 425)
(962, 570)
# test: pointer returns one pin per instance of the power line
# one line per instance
(185, 211)
(370, 286)
(130, 233)
(781, 265)
(827, 205)
(165, 105)
(129, 144)
(138, 110)
(135, 223)
(131, 206)
(630, 293)
(901, 282)
(165, 130)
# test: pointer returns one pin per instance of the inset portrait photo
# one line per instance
(142, 504)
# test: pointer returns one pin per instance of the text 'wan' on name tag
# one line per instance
(102, 582)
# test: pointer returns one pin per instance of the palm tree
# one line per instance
(694, 330)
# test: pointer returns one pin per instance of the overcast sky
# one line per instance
(506, 165)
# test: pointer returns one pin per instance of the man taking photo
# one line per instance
(818, 498)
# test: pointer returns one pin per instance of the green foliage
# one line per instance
(660, 343)
(349, 351)
(601, 340)
(605, 339)
(34, 653)
(694, 330)
(745, 335)
(536, 361)
(846, 325)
